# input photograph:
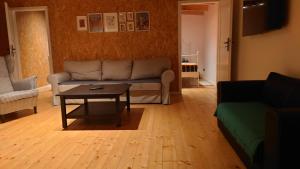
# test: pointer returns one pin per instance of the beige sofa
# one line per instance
(150, 78)
(16, 95)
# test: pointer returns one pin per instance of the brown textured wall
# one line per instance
(69, 44)
(33, 40)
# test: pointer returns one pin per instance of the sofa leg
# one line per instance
(2, 118)
(35, 109)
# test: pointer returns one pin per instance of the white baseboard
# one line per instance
(45, 88)
(209, 82)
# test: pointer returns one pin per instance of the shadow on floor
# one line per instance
(16, 115)
(129, 122)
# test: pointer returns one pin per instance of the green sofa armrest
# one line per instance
(240, 91)
(282, 138)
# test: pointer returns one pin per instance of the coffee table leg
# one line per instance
(86, 107)
(128, 100)
(119, 114)
(63, 111)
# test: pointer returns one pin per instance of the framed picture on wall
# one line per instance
(81, 23)
(130, 16)
(130, 26)
(111, 22)
(142, 21)
(122, 27)
(122, 17)
(95, 22)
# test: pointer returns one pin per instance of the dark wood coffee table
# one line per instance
(97, 109)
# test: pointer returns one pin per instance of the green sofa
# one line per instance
(260, 120)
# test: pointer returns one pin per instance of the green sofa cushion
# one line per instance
(246, 123)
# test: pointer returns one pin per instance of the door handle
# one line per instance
(228, 44)
(12, 50)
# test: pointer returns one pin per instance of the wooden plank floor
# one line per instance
(183, 135)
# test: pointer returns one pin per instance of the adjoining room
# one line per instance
(199, 40)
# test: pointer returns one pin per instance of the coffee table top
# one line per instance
(97, 90)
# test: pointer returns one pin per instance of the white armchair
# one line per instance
(16, 95)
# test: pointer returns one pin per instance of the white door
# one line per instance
(225, 40)
(12, 45)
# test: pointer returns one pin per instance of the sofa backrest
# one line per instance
(281, 91)
(149, 68)
(116, 69)
(5, 83)
(83, 70)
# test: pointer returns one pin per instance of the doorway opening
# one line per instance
(30, 42)
(205, 33)
(199, 43)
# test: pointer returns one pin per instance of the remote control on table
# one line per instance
(96, 87)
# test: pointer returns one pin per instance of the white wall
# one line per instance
(256, 56)
(211, 44)
(192, 32)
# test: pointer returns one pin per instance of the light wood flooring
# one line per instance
(183, 135)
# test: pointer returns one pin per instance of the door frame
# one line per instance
(180, 39)
(44, 9)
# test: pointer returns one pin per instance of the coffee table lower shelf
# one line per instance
(97, 110)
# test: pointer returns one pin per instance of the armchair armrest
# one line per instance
(25, 84)
(282, 138)
(240, 91)
(166, 78)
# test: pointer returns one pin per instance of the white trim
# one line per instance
(17, 45)
(220, 46)
(50, 59)
(208, 81)
(179, 47)
(45, 88)
(11, 40)
(29, 9)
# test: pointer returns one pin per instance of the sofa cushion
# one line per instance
(5, 83)
(17, 95)
(282, 91)
(116, 69)
(83, 70)
(246, 123)
(137, 85)
(149, 68)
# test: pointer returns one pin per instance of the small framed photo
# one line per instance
(122, 17)
(130, 26)
(142, 21)
(95, 22)
(111, 22)
(130, 16)
(122, 27)
(81, 23)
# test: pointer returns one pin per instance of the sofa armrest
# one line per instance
(58, 78)
(55, 79)
(25, 84)
(240, 91)
(166, 78)
(282, 138)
